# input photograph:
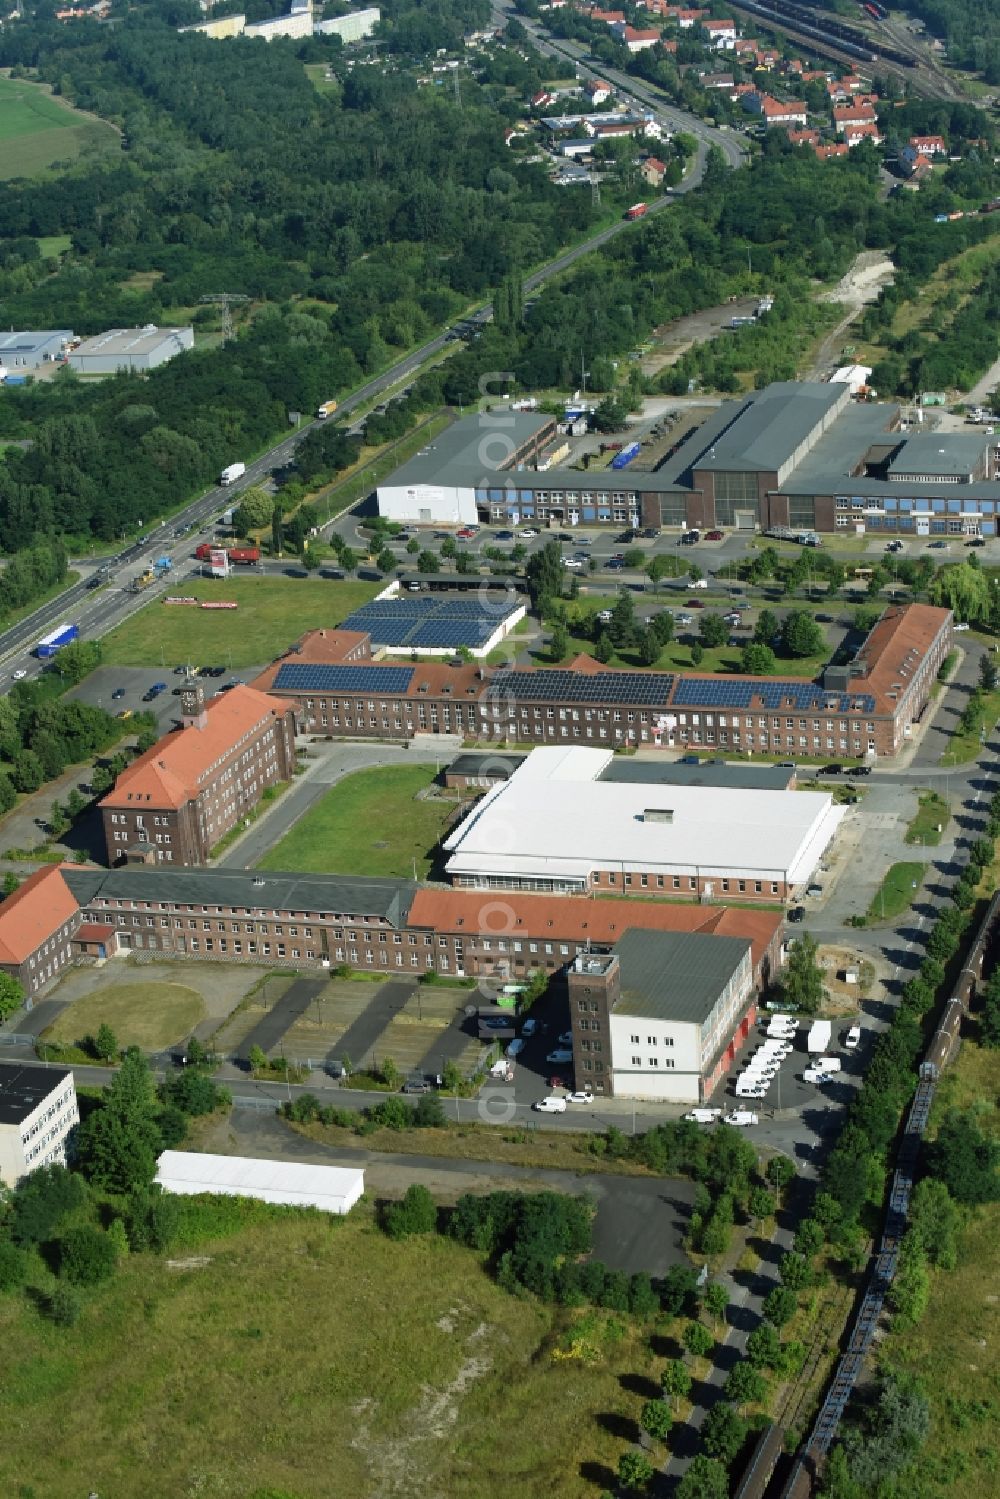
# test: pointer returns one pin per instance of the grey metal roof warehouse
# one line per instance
(708, 773)
(27, 350)
(675, 975)
(470, 451)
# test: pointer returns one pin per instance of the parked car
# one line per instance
(558, 1057)
(529, 1027)
(938, 546)
(824, 619)
(582, 1095)
(118, 692)
(125, 713)
(689, 760)
(703, 1116)
(961, 626)
(797, 913)
(465, 534)
(831, 770)
(975, 541)
(566, 1039)
(816, 1075)
(527, 534)
(684, 619)
(515, 1047)
(853, 1038)
(551, 1105)
(741, 1118)
(504, 536)
(715, 536)
(859, 770)
(815, 890)
(698, 583)
(574, 562)
(695, 604)
(613, 565)
(417, 1085)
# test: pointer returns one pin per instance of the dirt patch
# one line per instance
(861, 284)
(844, 998)
(193, 1262)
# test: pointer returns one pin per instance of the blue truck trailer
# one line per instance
(54, 642)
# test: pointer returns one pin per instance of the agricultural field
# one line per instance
(369, 823)
(206, 1370)
(272, 614)
(37, 130)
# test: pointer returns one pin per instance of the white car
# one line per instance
(560, 1056)
(853, 1038)
(528, 534)
(529, 1027)
(698, 583)
(816, 1075)
(605, 616)
(741, 1118)
(566, 1039)
(584, 1095)
(515, 1047)
(20, 674)
(573, 562)
(551, 1105)
(684, 619)
(961, 626)
(703, 1116)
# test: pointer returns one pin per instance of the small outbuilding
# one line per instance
(332, 1189)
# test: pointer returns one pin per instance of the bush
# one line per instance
(172, 1125)
(41, 1202)
(86, 1255)
(193, 1093)
(429, 1112)
(13, 1266)
(64, 1305)
(391, 1113)
(151, 1220)
(304, 1109)
(415, 1214)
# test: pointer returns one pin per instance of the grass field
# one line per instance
(37, 130)
(965, 746)
(425, 1379)
(933, 812)
(897, 891)
(148, 1015)
(955, 1349)
(368, 824)
(272, 613)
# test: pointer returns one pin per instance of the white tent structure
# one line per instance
(332, 1189)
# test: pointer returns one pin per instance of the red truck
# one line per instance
(248, 556)
(636, 211)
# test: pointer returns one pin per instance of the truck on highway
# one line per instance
(247, 556)
(56, 639)
(327, 409)
(819, 1036)
(232, 472)
(637, 211)
(162, 566)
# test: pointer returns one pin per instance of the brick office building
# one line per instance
(864, 709)
(174, 803)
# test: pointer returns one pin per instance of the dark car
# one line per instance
(417, 1085)
(797, 913)
(177, 692)
(695, 604)
(216, 671)
(564, 536)
(614, 565)
(689, 760)
(859, 770)
(118, 692)
(149, 697)
(824, 619)
(331, 573)
(180, 671)
(831, 770)
(159, 687)
(505, 536)
(650, 533)
(975, 541)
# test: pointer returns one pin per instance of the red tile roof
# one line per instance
(173, 771)
(895, 647)
(31, 915)
(579, 919)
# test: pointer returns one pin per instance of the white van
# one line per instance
(741, 1118)
(826, 1064)
(750, 1087)
(703, 1116)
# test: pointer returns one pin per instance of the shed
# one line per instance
(332, 1189)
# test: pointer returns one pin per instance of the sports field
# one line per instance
(370, 823)
(272, 614)
(37, 130)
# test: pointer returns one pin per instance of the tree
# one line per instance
(415, 1214)
(559, 642)
(105, 1043)
(42, 1200)
(649, 648)
(758, 660)
(911, 1287)
(803, 980)
(987, 672)
(794, 1271)
(935, 1222)
(429, 1112)
(86, 1255)
(14, 1266)
(964, 1159)
(766, 628)
(745, 1385)
(809, 1238)
(676, 1381)
(656, 1419)
(604, 649)
(193, 1092)
(11, 996)
(634, 1470)
(706, 1478)
(64, 1305)
(764, 1346)
(761, 1203)
(257, 1059)
(622, 628)
(723, 1432)
(255, 509)
(800, 634)
(697, 653)
(385, 561)
(964, 589)
(780, 1305)
(712, 629)
(716, 1301)
(11, 884)
(697, 1339)
(120, 1141)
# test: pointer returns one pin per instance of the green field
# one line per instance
(897, 892)
(368, 824)
(37, 130)
(316, 1358)
(272, 614)
(148, 1015)
(933, 812)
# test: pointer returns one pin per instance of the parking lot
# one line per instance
(122, 689)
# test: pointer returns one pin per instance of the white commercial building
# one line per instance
(556, 826)
(38, 1109)
(855, 376)
(27, 351)
(469, 460)
(130, 349)
(353, 27)
(332, 1189)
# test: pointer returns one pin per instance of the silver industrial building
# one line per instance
(796, 454)
(130, 349)
(28, 350)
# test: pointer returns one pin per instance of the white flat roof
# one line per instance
(557, 826)
(334, 1189)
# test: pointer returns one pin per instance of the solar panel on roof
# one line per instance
(799, 697)
(299, 676)
(574, 687)
(431, 622)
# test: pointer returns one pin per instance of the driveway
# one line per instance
(640, 1221)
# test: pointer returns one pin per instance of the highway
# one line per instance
(98, 611)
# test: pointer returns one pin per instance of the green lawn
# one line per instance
(933, 813)
(964, 746)
(368, 824)
(205, 1370)
(148, 1015)
(37, 130)
(272, 613)
(896, 892)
